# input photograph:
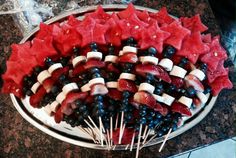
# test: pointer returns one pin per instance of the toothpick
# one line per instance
(114, 147)
(121, 125)
(166, 137)
(117, 118)
(132, 142)
(145, 131)
(92, 129)
(139, 137)
(91, 120)
(108, 140)
(100, 130)
(127, 146)
(87, 133)
(148, 141)
(146, 136)
(111, 129)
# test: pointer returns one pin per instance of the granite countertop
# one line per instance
(18, 138)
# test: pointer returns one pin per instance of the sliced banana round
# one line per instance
(158, 98)
(60, 97)
(54, 106)
(54, 67)
(85, 88)
(43, 76)
(127, 76)
(178, 72)
(203, 97)
(146, 87)
(149, 59)
(112, 84)
(47, 109)
(167, 99)
(98, 80)
(78, 60)
(198, 73)
(166, 64)
(111, 58)
(186, 101)
(35, 87)
(94, 55)
(69, 87)
(129, 49)
(121, 53)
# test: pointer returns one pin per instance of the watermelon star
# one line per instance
(130, 10)
(91, 32)
(194, 23)
(42, 49)
(131, 27)
(220, 83)
(215, 55)
(220, 71)
(192, 47)
(163, 17)
(153, 36)
(178, 33)
(113, 34)
(72, 21)
(100, 15)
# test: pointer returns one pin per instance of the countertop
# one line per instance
(19, 139)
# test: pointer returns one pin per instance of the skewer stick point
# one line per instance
(139, 137)
(166, 137)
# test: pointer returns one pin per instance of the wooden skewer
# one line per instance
(100, 129)
(148, 141)
(139, 137)
(145, 131)
(166, 137)
(108, 140)
(91, 120)
(127, 146)
(121, 125)
(111, 129)
(117, 118)
(132, 142)
(98, 135)
(145, 138)
(114, 147)
(87, 133)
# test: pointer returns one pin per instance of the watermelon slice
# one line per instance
(220, 71)
(177, 34)
(128, 58)
(42, 49)
(113, 34)
(194, 23)
(145, 99)
(10, 86)
(91, 32)
(131, 27)
(44, 31)
(180, 108)
(57, 73)
(48, 84)
(220, 83)
(163, 17)
(192, 47)
(130, 10)
(153, 36)
(145, 17)
(100, 15)
(94, 63)
(215, 55)
(154, 70)
(126, 85)
(206, 38)
(72, 21)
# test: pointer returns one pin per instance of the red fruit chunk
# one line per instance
(180, 108)
(134, 103)
(44, 31)
(177, 34)
(154, 70)
(130, 10)
(128, 58)
(153, 36)
(91, 32)
(178, 82)
(79, 69)
(163, 17)
(89, 99)
(58, 117)
(48, 84)
(220, 71)
(99, 14)
(197, 102)
(131, 27)
(112, 68)
(37, 97)
(72, 21)
(94, 63)
(70, 98)
(42, 49)
(146, 99)
(100, 89)
(163, 110)
(127, 136)
(115, 94)
(194, 23)
(206, 38)
(191, 80)
(113, 34)
(10, 86)
(220, 83)
(215, 55)
(192, 47)
(57, 73)
(126, 85)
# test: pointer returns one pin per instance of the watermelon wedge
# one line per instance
(130, 10)
(220, 83)
(113, 34)
(100, 15)
(220, 71)
(163, 17)
(126, 85)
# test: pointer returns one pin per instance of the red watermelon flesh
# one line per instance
(220, 71)
(126, 85)
(192, 47)
(130, 10)
(206, 38)
(44, 31)
(42, 49)
(194, 23)
(145, 17)
(57, 73)
(177, 34)
(153, 36)
(215, 55)
(178, 82)
(20, 51)
(10, 86)
(72, 21)
(112, 68)
(113, 34)
(99, 14)
(163, 17)
(220, 83)
(79, 69)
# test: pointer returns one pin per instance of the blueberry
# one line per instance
(80, 118)
(127, 66)
(55, 90)
(159, 85)
(142, 112)
(48, 62)
(181, 90)
(169, 51)
(85, 114)
(37, 70)
(94, 46)
(143, 120)
(64, 61)
(29, 92)
(77, 112)
(28, 81)
(149, 78)
(99, 105)
(94, 70)
(151, 125)
(207, 90)
(96, 75)
(128, 116)
(159, 133)
(158, 115)
(183, 62)
(111, 50)
(172, 88)
(98, 98)
(82, 108)
(158, 91)
(78, 103)
(152, 51)
(203, 67)
(190, 91)
(76, 51)
(126, 94)
(62, 78)
(101, 112)
(130, 41)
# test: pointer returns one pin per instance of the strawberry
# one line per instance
(191, 80)
(126, 85)
(114, 94)
(180, 108)
(128, 58)
(178, 82)
(37, 97)
(146, 99)
(94, 63)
